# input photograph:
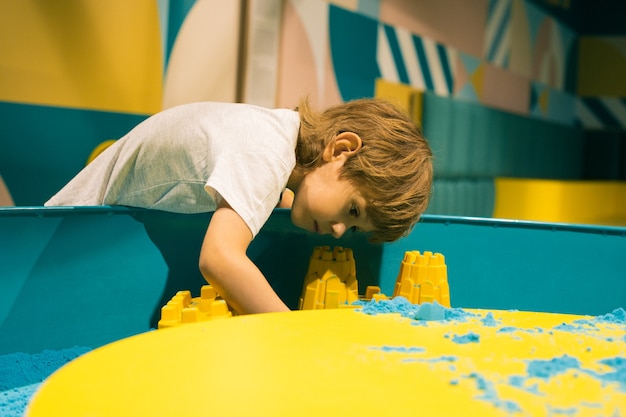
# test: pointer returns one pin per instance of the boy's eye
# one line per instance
(354, 211)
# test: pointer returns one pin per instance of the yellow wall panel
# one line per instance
(103, 55)
(405, 96)
(582, 202)
(601, 66)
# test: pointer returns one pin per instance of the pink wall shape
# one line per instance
(460, 24)
(305, 67)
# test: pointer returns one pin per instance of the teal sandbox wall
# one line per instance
(89, 276)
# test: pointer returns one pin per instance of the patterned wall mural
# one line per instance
(601, 82)
(509, 54)
(527, 64)
(71, 63)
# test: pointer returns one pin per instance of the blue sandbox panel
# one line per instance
(100, 274)
(524, 265)
(91, 278)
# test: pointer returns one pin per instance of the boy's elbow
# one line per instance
(214, 263)
(207, 266)
(207, 270)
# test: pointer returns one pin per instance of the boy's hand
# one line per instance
(225, 265)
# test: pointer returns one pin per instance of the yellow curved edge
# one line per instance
(99, 149)
(345, 363)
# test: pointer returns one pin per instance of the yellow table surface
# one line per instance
(346, 363)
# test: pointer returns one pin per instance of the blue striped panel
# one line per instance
(473, 197)
(445, 66)
(484, 142)
(598, 109)
(490, 7)
(423, 62)
(394, 46)
(503, 25)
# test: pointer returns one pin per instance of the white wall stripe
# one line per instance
(453, 58)
(384, 57)
(411, 61)
(436, 72)
(494, 22)
(616, 107)
(556, 46)
(503, 48)
(587, 118)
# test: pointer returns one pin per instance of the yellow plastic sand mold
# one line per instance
(183, 308)
(330, 283)
(423, 278)
(331, 280)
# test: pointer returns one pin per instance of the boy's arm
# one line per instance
(225, 265)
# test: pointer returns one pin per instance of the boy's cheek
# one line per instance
(297, 216)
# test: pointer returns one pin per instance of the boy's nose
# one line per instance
(338, 229)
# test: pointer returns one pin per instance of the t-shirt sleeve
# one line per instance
(251, 183)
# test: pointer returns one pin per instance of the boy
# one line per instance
(361, 165)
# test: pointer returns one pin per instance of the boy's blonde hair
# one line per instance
(393, 169)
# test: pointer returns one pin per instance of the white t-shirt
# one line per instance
(185, 159)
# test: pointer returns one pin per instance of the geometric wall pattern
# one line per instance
(601, 66)
(602, 112)
(601, 83)
(519, 40)
(523, 39)
(417, 61)
(497, 47)
(552, 104)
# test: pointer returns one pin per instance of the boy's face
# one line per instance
(326, 204)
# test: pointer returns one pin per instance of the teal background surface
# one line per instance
(89, 276)
(43, 147)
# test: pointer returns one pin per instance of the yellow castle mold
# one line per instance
(330, 283)
(423, 278)
(183, 308)
(331, 280)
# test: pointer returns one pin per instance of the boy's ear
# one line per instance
(344, 144)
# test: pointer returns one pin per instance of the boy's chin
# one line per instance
(298, 222)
